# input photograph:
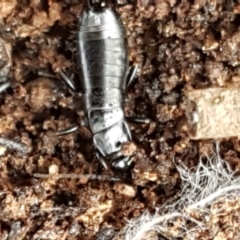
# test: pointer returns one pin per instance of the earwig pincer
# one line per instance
(104, 73)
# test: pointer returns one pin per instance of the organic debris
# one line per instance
(206, 208)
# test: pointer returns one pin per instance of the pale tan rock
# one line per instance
(213, 113)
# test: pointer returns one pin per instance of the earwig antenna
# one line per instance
(78, 176)
(89, 4)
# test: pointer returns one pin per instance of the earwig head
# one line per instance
(95, 4)
(109, 140)
(109, 143)
(120, 166)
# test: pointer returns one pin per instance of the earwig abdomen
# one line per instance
(103, 62)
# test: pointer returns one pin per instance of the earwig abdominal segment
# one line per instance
(103, 63)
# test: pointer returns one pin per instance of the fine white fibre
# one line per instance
(203, 187)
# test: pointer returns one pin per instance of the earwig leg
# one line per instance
(68, 82)
(45, 74)
(138, 137)
(4, 86)
(141, 120)
(71, 85)
(138, 120)
(101, 160)
(131, 75)
(66, 131)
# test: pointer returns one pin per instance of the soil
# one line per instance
(178, 45)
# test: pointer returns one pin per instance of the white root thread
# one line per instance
(152, 223)
(214, 196)
(204, 186)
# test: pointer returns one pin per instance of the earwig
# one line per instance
(104, 72)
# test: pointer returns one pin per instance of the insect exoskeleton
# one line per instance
(103, 62)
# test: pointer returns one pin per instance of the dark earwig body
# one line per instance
(103, 62)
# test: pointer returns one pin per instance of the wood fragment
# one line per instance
(213, 113)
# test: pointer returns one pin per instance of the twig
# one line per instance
(76, 176)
